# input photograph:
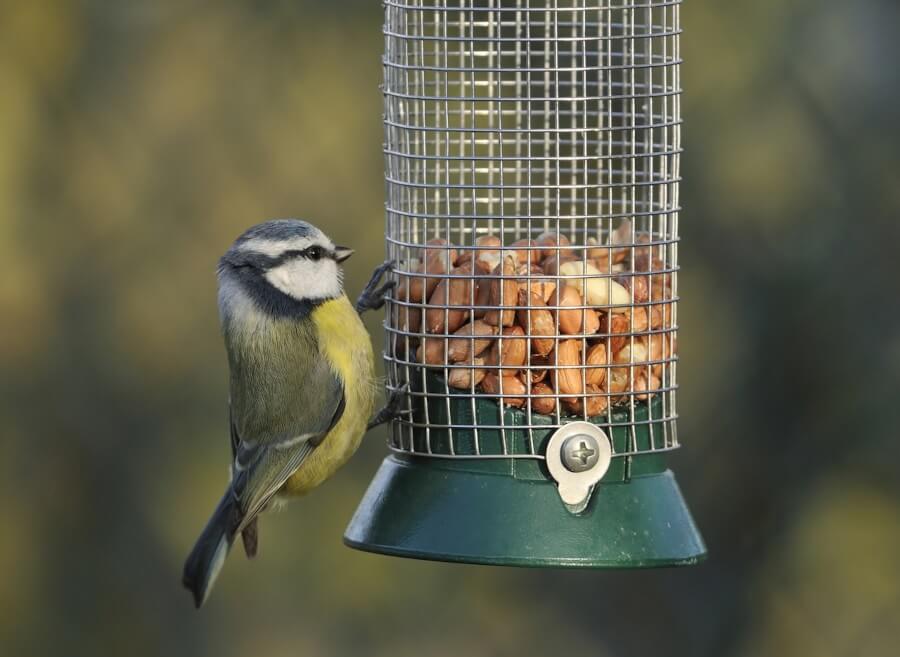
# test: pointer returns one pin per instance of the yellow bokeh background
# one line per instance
(139, 138)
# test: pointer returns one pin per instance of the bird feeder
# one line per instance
(532, 169)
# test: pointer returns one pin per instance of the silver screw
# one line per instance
(580, 453)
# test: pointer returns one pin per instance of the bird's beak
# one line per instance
(341, 253)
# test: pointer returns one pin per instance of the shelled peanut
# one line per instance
(544, 324)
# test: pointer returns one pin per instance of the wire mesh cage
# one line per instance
(532, 163)
(532, 167)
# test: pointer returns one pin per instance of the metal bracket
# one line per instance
(578, 455)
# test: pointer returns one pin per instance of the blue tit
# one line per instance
(301, 380)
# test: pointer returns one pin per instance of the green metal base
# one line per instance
(507, 512)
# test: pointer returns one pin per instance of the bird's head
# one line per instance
(287, 256)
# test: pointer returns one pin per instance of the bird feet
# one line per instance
(372, 297)
(390, 410)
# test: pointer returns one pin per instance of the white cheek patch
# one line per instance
(302, 278)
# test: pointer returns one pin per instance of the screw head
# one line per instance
(580, 453)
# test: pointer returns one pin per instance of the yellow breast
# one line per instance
(345, 344)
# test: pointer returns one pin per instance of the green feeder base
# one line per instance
(496, 512)
(509, 511)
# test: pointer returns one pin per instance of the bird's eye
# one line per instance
(314, 252)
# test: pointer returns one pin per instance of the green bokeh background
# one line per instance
(139, 138)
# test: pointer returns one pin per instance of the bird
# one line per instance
(301, 378)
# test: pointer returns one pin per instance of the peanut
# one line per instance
(412, 287)
(543, 405)
(537, 321)
(643, 248)
(614, 326)
(656, 317)
(577, 319)
(505, 387)
(537, 369)
(438, 260)
(659, 291)
(541, 286)
(617, 381)
(598, 251)
(524, 269)
(594, 361)
(511, 350)
(482, 290)
(646, 385)
(633, 361)
(568, 379)
(621, 235)
(406, 318)
(455, 293)
(637, 285)
(593, 403)
(662, 315)
(552, 245)
(527, 251)
(602, 264)
(632, 354)
(658, 349)
(487, 250)
(440, 249)
(431, 351)
(425, 275)
(504, 292)
(639, 321)
(466, 375)
(596, 289)
(460, 349)
(551, 265)
(659, 279)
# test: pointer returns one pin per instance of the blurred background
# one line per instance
(138, 139)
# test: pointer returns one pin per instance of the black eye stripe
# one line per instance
(261, 262)
(314, 252)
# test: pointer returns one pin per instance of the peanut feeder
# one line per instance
(532, 167)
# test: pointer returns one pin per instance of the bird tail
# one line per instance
(250, 536)
(206, 559)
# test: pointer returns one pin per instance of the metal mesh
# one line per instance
(516, 119)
